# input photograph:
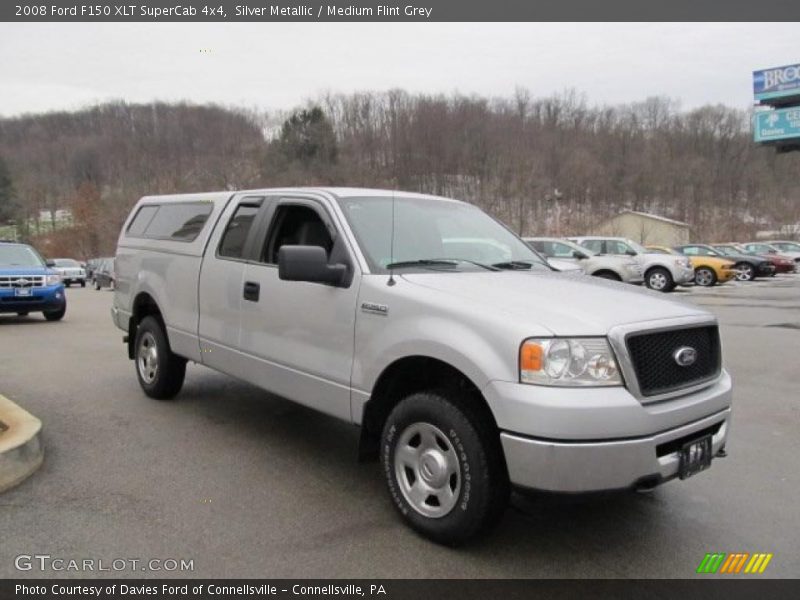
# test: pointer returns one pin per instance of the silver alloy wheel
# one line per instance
(745, 273)
(658, 281)
(427, 470)
(147, 357)
(704, 277)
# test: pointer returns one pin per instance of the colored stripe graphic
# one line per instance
(711, 562)
(733, 563)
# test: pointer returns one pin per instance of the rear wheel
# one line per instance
(745, 272)
(444, 468)
(83, 283)
(705, 277)
(160, 372)
(659, 279)
(96, 285)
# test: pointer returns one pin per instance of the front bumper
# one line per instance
(683, 275)
(575, 467)
(41, 299)
(594, 439)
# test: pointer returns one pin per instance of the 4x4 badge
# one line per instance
(685, 356)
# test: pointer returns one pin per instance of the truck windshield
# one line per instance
(19, 256)
(434, 235)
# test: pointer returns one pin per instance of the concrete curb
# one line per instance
(21, 449)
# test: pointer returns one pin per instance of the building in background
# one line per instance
(645, 228)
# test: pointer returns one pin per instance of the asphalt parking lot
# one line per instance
(248, 485)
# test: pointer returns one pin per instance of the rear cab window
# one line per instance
(180, 222)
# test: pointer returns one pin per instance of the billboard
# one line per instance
(779, 82)
(776, 125)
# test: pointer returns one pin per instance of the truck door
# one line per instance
(221, 277)
(298, 336)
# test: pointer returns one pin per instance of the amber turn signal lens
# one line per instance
(531, 357)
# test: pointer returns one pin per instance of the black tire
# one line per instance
(481, 489)
(166, 379)
(97, 285)
(705, 277)
(747, 272)
(610, 275)
(83, 283)
(56, 315)
(67, 283)
(659, 279)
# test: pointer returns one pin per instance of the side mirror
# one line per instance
(578, 255)
(50, 263)
(308, 263)
(630, 252)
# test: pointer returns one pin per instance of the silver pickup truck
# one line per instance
(470, 366)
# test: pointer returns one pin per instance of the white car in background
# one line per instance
(662, 272)
(70, 270)
(566, 256)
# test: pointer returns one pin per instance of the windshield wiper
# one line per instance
(438, 262)
(424, 262)
(514, 265)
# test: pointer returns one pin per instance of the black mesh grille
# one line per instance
(653, 358)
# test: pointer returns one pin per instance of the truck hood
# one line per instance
(563, 304)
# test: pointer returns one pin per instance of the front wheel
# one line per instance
(444, 469)
(83, 283)
(745, 272)
(705, 277)
(97, 285)
(160, 372)
(659, 279)
(55, 315)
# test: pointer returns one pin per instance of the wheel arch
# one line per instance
(144, 305)
(411, 374)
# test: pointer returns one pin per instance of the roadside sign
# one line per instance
(778, 82)
(775, 125)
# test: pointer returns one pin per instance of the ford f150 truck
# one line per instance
(469, 365)
(28, 285)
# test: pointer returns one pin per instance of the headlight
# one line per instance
(568, 362)
(53, 279)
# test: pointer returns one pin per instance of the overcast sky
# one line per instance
(267, 65)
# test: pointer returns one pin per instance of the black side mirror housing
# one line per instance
(630, 252)
(309, 263)
(579, 255)
(50, 263)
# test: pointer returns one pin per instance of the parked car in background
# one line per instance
(787, 247)
(104, 275)
(661, 272)
(766, 250)
(28, 285)
(747, 266)
(779, 264)
(70, 271)
(91, 266)
(708, 270)
(558, 251)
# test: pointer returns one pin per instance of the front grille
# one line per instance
(16, 281)
(653, 358)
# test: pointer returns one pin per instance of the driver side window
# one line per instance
(295, 225)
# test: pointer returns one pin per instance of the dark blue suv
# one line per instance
(28, 285)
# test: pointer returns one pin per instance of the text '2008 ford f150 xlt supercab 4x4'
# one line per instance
(470, 366)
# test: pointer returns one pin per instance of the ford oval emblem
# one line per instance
(21, 282)
(685, 356)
